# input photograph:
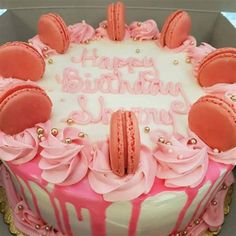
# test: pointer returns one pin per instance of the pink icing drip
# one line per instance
(213, 217)
(24, 219)
(81, 33)
(146, 30)
(135, 216)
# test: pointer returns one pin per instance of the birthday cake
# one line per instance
(119, 130)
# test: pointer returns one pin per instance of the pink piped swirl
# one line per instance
(146, 30)
(179, 164)
(71, 81)
(25, 220)
(64, 163)
(8, 82)
(19, 148)
(101, 31)
(42, 48)
(227, 157)
(81, 33)
(114, 188)
(196, 54)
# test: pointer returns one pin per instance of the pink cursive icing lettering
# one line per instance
(145, 116)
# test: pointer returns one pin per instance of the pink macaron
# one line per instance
(22, 106)
(213, 119)
(116, 21)
(53, 32)
(176, 29)
(21, 61)
(218, 67)
(124, 143)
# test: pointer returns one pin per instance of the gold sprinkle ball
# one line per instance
(20, 207)
(50, 61)
(161, 140)
(54, 131)
(216, 150)
(175, 62)
(40, 130)
(137, 50)
(47, 228)
(83, 22)
(68, 140)
(147, 129)
(188, 60)
(192, 141)
(185, 232)
(139, 24)
(214, 202)
(69, 121)
(81, 135)
(196, 222)
(45, 49)
(37, 226)
(233, 98)
(224, 186)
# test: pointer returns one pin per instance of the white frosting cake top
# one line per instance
(93, 80)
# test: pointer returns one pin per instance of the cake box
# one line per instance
(18, 21)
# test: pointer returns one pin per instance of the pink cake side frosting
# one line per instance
(76, 196)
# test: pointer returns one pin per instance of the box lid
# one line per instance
(203, 5)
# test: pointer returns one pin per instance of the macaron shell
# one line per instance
(133, 142)
(53, 32)
(218, 67)
(111, 21)
(176, 29)
(23, 107)
(166, 26)
(116, 144)
(116, 21)
(124, 143)
(120, 21)
(21, 61)
(213, 119)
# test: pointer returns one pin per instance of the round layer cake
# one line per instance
(125, 148)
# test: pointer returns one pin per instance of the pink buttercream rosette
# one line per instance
(81, 33)
(114, 188)
(227, 157)
(197, 54)
(19, 148)
(42, 48)
(146, 30)
(64, 163)
(101, 31)
(179, 164)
